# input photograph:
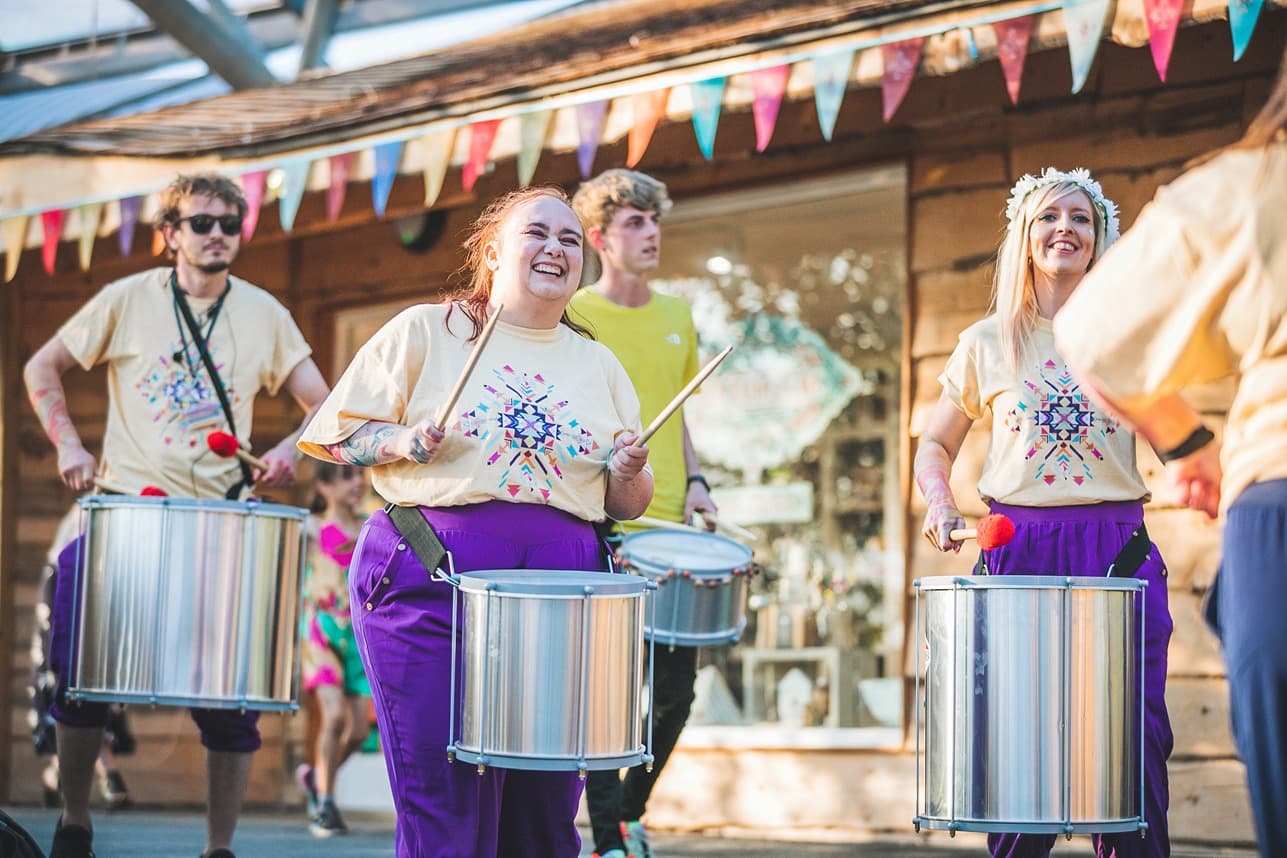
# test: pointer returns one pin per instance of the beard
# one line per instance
(214, 267)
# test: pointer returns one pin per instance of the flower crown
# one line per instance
(1079, 177)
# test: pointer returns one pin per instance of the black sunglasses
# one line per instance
(202, 223)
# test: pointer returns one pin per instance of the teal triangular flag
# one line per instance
(1243, 15)
(387, 156)
(294, 180)
(708, 96)
(830, 80)
(1084, 21)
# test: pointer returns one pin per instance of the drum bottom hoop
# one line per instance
(696, 639)
(550, 764)
(992, 826)
(249, 704)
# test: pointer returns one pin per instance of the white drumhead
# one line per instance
(685, 549)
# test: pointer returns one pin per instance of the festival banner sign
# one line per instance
(708, 97)
(532, 130)
(1012, 49)
(647, 108)
(830, 81)
(387, 157)
(901, 60)
(768, 86)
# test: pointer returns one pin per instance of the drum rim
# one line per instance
(264, 508)
(654, 533)
(502, 581)
(1027, 582)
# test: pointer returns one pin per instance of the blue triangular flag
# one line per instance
(294, 180)
(830, 80)
(1084, 21)
(387, 156)
(708, 96)
(1243, 15)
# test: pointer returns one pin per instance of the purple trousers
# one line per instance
(1084, 541)
(221, 729)
(402, 620)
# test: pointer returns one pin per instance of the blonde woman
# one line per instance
(1061, 469)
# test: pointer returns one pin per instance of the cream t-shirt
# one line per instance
(1049, 445)
(534, 424)
(1194, 292)
(162, 405)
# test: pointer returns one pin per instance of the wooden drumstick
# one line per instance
(440, 422)
(739, 532)
(226, 445)
(683, 394)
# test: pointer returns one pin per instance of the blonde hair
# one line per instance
(597, 201)
(1014, 295)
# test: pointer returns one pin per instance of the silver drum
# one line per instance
(1033, 691)
(187, 603)
(550, 676)
(702, 584)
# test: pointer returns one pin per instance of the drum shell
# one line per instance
(533, 661)
(1031, 690)
(188, 603)
(700, 601)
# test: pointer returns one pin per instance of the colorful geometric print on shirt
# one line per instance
(184, 404)
(1068, 435)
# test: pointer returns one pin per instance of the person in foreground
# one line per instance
(1206, 264)
(654, 337)
(162, 405)
(1064, 472)
(541, 446)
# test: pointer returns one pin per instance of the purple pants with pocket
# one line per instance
(1083, 541)
(221, 729)
(402, 620)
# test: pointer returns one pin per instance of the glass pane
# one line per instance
(798, 433)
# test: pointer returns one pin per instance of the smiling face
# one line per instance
(1061, 238)
(209, 253)
(536, 258)
(631, 242)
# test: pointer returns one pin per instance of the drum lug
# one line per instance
(482, 767)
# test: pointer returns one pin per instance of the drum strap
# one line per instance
(1132, 556)
(418, 534)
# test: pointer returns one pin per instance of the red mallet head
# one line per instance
(994, 531)
(154, 492)
(222, 444)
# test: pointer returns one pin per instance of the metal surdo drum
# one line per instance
(702, 582)
(187, 603)
(551, 673)
(1033, 704)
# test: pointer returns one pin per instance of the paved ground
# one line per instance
(142, 834)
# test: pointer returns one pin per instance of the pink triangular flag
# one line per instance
(252, 185)
(589, 128)
(1163, 18)
(52, 223)
(88, 216)
(15, 238)
(481, 136)
(1012, 49)
(767, 87)
(129, 219)
(648, 109)
(901, 60)
(340, 165)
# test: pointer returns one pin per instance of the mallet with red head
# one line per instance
(992, 531)
(226, 445)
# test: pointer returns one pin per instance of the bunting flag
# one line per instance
(1163, 17)
(15, 237)
(438, 147)
(1012, 49)
(532, 130)
(1084, 21)
(52, 223)
(647, 108)
(252, 186)
(335, 191)
(708, 97)
(87, 217)
(481, 136)
(1242, 23)
(158, 242)
(387, 158)
(294, 180)
(768, 86)
(901, 60)
(830, 80)
(589, 128)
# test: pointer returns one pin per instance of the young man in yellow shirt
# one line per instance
(654, 338)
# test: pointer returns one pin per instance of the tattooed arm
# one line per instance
(939, 445)
(43, 375)
(376, 443)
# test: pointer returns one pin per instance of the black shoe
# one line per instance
(327, 821)
(219, 853)
(115, 792)
(71, 841)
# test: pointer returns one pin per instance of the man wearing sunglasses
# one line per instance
(187, 349)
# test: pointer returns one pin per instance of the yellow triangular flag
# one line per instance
(438, 147)
(88, 216)
(532, 130)
(15, 236)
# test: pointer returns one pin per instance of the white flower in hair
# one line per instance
(1079, 177)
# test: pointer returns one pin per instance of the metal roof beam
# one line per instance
(229, 57)
(315, 31)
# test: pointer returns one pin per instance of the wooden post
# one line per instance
(10, 400)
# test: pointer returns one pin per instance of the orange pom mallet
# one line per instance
(992, 531)
(226, 445)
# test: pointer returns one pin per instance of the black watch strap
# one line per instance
(698, 478)
(1197, 439)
